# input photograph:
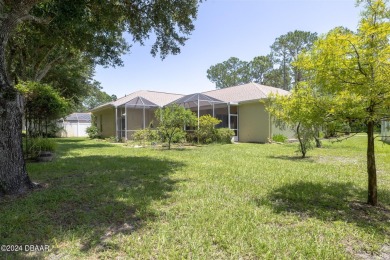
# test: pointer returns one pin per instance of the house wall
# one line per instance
(283, 130)
(105, 120)
(253, 123)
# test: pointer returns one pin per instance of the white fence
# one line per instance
(73, 129)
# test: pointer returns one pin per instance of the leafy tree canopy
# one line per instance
(352, 71)
(42, 101)
(286, 49)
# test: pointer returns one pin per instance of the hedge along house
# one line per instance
(239, 108)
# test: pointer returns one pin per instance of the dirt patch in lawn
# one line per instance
(339, 160)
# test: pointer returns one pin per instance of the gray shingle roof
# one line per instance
(246, 92)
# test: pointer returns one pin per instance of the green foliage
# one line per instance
(146, 135)
(43, 105)
(96, 97)
(286, 49)
(111, 139)
(352, 69)
(206, 132)
(225, 135)
(279, 138)
(93, 132)
(303, 110)
(305, 136)
(42, 101)
(260, 68)
(229, 73)
(172, 120)
(41, 144)
(235, 72)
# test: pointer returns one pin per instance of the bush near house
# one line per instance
(279, 138)
(206, 132)
(93, 132)
(225, 135)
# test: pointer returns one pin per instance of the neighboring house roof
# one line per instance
(245, 92)
(159, 98)
(78, 117)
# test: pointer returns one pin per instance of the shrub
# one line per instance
(225, 135)
(191, 137)
(279, 138)
(146, 135)
(41, 144)
(93, 132)
(111, 139)
(206, 132)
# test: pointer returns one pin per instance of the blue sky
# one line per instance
(224, 29)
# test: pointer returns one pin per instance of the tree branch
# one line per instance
(358, 59)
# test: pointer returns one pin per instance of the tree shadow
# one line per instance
(291, 158)
(88, 198)
(331, 202)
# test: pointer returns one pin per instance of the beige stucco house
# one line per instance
(238, 107)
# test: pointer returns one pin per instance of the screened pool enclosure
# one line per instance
(139, 113)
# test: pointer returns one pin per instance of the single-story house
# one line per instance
(238, 107)
(385, 131)
(74, 125)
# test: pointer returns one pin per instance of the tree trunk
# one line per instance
(301, 144)
(13, 175)
(317, 137)
(371, 168)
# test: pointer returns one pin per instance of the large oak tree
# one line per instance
(92, 27)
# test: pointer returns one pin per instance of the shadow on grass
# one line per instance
(331, 202)
(86, 201)
(291, 158)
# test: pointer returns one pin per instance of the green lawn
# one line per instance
(247, 201)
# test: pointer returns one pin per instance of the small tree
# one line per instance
(206, 132)
(353, 68)
(303, 110)
(172, 120)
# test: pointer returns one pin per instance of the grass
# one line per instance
(246, 201)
